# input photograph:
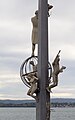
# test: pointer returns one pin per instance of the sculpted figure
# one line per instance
(56, 71)
(34, 21)
(33, 80)
(33, 66)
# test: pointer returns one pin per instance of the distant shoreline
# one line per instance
(56, 102)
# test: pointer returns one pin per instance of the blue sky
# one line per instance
(15, 45)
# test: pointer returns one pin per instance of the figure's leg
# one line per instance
(49, 89)
(33, 49)
(29, 91)
(54, 84)
(51, 86)
(62, 68)
(31, 95)
(34, 88)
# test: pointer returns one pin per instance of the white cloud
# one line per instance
(63, 92)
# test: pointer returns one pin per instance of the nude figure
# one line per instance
(55, 73)
(34, 21)
(33, 80)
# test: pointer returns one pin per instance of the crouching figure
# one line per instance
(33, 80)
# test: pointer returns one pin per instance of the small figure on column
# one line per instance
(56, 71)
(34, 21)
(33, 80)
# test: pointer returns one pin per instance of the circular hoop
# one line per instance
(26, 68)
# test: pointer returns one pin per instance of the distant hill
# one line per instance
(16, 101)
(56, 102)
(53, 100)
(63, 100)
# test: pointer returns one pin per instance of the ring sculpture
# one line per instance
(28, 68)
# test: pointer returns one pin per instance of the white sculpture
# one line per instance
(33, 80)
(34, 21)
(55, 73)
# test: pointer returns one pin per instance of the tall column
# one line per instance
(43, 103)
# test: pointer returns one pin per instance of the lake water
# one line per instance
(30, 114)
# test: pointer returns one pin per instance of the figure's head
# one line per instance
(32, 63)
(49, 7)
(36, 12)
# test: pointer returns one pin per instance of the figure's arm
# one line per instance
(61, 69)
(49, 7)
(56, 58)
(32, 19)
